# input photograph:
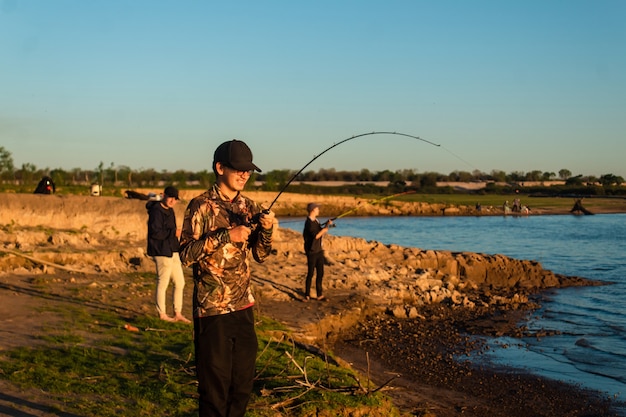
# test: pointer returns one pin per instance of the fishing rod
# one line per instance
(335, 145)
(255, 219)
(359, 205)
(344, 214)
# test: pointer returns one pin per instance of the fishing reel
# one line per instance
(256, 219)
(329, 225)
(255, 225)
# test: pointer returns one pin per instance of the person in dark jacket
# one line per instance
(314, 250)
(45, 186)
(164, 247)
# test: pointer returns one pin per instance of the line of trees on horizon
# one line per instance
(123, 176)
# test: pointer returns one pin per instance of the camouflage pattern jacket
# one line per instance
(221, 270)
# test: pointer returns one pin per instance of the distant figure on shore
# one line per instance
(517, 206)
(313, 233)
(45, 186)
(506, 208)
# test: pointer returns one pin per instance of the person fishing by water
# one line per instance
(220, 229)
(313, 233)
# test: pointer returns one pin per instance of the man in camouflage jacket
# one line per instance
(221, 227)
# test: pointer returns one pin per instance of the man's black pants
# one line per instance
(226, 348)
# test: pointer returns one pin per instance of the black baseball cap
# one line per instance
(171, 192)
(235, 154)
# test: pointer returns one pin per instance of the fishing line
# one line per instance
(337, 144)
(459, 158)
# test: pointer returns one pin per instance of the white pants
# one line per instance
(167, 268)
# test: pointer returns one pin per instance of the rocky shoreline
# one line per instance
(403, 316)
(410, 316)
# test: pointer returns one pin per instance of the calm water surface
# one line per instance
(591, 349)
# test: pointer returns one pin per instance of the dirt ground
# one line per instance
(414, 360)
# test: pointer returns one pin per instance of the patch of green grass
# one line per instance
(141, 276)
(497, 200)
(299, 382)
(462, 199)
(116, 373)
(486, 200)
(92, 366)
(62, 339)
(144, 374)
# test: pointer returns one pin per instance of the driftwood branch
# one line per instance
(41, 261)
(270, 359)
(301, 384)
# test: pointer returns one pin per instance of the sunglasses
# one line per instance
(237, 171)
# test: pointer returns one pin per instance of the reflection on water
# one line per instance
(591, 349)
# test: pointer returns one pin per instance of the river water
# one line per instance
(590, 350)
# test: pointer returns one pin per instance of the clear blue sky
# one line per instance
(501, 85)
